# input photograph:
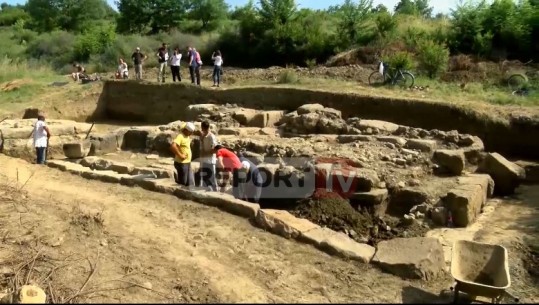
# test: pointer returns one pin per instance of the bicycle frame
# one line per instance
(393, 78)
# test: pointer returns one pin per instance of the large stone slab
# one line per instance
(158, 173)
(380, 125)
(338, 244)
(104, 176)
(104, 144)
(411, 258)
(244, 116)
(465, 203)
(166, 186)
(266, 119)
(421, 145)
(89, 161)
(397, 141)
(350, 138)
(484, 180)
(283, 223)
(452, 161)
(506, 174)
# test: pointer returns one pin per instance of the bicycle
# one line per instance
(517, 81)
(402, 77)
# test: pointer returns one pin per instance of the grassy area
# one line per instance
(24, 84)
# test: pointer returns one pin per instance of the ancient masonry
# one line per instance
(420, 177)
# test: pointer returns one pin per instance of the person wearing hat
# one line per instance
(138, 58)
(228, 163)
(181, 147)
(251, 184)
(41, 139)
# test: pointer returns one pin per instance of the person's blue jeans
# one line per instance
(208, 176)
(41, 155)
(216, 75)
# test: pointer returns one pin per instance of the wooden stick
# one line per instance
(94, 269)
(89, 130)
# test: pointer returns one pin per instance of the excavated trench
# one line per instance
(405, 180)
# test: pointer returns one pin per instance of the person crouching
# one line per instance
(181, 147)
(229, 164)
(251, 182)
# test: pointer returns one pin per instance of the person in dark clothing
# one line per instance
(162, 58)
(175, 60)
(250, 184)
(138, 58)
(191, 55)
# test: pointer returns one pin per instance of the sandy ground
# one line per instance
(149, 247)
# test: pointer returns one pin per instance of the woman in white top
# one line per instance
(122, 70)
(175, 65)
(217, 68)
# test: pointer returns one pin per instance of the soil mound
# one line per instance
(330, 210)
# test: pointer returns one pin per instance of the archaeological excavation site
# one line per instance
(396, 183)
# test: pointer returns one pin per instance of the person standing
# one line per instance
(42, 135)
(138, 58)
(217, 68)
(181, 147)
(208, 141)
(192, 63)
(175, 60)
(162, 58)
(229, 164)
(198, 65)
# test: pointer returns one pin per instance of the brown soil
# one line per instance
(330, 210)
(130, 245)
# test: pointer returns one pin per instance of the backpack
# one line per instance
(197, 58)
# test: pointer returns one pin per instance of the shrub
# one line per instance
(400, 60)
(288, 76)
(432, 57)
(54, 47)
(461, 62)
(94, 41)
(311, 63)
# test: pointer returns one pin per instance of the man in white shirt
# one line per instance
(208, 140)
(41, 139)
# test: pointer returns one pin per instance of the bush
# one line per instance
(461, 62)
(432, 57)
(55, 48)
(400, 60)
(288, 76)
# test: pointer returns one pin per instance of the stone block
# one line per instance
(339, 244)
(244, 116)
(421, 145)
(453, 161)
(345, 138)
(76, 150)
(506, 174)
(375, 201)
(266, 119)
(283, 223)
(465, 203)
(397, 141)
(380, 125)
(411, 258)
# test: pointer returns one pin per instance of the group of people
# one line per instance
(174, 60)
(214, 159)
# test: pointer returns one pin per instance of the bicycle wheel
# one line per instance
(406, 80)
(516, 81)
(376, 79)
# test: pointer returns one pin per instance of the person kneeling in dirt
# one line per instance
(122, 72)
(181, 147)
(42, 135)
(228, 164)
(250, 181)
(79, 72)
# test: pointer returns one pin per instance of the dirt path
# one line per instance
(511, 222)
(182, 250)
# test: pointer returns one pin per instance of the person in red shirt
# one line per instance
(229, 163)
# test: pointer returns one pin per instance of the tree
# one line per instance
(137, 16)
(352, 17)
(380, 8)
(277, 12)
(71, 15)
(414, 7)
(209, 12)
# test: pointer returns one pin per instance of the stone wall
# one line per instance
(159, 104)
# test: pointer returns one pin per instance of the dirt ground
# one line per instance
(149, 247)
